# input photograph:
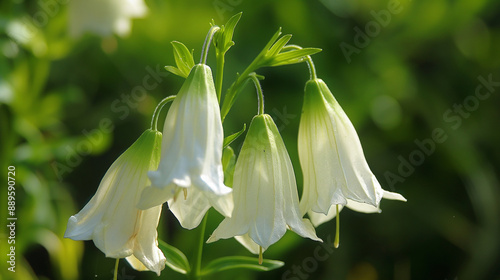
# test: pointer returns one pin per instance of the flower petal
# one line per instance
(191, 153)
(111, 219)
(265, 191)
(190, 211)
(334, 167)
(393, 196)
(248, 243)
(146, 242)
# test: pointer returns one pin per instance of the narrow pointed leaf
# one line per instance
(176, 260)
(228, 140)
(229, 30)
(276, 48)
(174, 71)
(291, 57)
(273, 39)
(240, 262)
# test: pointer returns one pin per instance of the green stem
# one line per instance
(195, 272)
(206, 44)
(260, 94)
(115, 274)
(240, 81)
(336, 243)
(219, 74)
(312, 69)
(156, 113)
(236, 87)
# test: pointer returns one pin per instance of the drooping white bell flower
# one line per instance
(112, 220)
(320, 218)
(265, 191)
(332, 160)
(104, 17)
(191, 159)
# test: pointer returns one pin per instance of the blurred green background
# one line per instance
(70, 106)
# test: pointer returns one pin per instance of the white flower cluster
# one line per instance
(187, 173)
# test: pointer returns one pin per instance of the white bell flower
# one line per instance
(112, 220)
(191, 159)
(265, 191)
(332, 160)
(104, 17)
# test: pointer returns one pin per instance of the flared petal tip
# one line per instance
(155, 267)
(249, 244)
(363, 207)
(76, 231)
(70, 229)
(393, 196)
(304, 228)
(207, 184)
(212, 239)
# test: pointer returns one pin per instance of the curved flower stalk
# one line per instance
(265, 192)
(191, 159)
(111, 218)
(334, 167)
(104, 17)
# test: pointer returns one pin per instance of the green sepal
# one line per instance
(240, 262)
(228, 140)
(183, 60)
(228, 164)
(176, 259)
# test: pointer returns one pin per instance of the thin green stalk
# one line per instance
(115, 274)
(336, 243)
(219, 75)
(312, 69)
(310, 63)
(206, 44)
(260, 94)
(240, 81)
(156, 113)
(196, 269)
(235, 87)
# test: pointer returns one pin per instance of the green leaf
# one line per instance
(183, 60)
(229, 31)
(291, 57)
(240, 262)
(175, 71)
(176, 260)
(271, 42)
(278, 46)
(228, 163)
(228, 140)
